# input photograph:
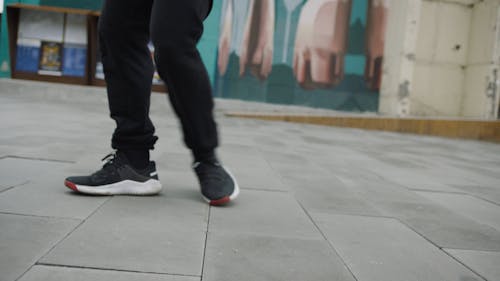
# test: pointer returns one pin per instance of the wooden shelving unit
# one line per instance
(86, 76)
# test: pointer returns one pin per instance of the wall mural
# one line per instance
(318, 53)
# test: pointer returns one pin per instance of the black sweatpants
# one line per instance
(174, 27)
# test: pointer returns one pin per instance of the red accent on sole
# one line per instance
(219, 202)
(70, 185)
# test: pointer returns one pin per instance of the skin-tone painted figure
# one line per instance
(375, 36)
(290, 6)
(257, 45)
(232, 24)
(321, 43)
(225, 37)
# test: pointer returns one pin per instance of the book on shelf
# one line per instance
(74, 60)
(51, 54)
(27, 55)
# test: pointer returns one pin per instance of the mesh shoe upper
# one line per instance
(115, 169)
(215, 181)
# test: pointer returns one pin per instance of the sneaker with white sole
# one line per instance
(117, 177)
(218, 185)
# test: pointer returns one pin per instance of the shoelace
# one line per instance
(107, 165)
(108, 159)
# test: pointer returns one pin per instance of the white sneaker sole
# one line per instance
(225, 199)
(126, 187)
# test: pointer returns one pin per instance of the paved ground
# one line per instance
(318, 203)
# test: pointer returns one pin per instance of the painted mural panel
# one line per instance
(318, 53)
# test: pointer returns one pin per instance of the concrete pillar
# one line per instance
(442, 59)
(399, 57)
(481, 92)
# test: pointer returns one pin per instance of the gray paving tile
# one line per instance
(161, 234)
(491, 194)
(379, 174)
(445, 227)
(284, 161)
(174, 162)
(253, 174)
(24, 240)
(47, 196)
(10, 186)
(438, 224)
(469, 176)
(68, 151)
(6, 150)
(50, 273)
(484, 263)
(384, 249)
(251, 169)
(14, 171)
(246, 257)
(328, 200)
(180, 184)
(479, 210)
(421, 179)
(265, 213)
(327, 193)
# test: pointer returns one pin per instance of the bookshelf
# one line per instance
(56, 44)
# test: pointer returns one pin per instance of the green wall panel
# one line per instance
(81, 4)
(207, 45)
(4, 41)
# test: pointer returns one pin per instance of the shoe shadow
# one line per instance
(188, 194)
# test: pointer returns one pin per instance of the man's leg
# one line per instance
(128, 69)
(176, 27)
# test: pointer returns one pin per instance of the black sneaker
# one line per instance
(218, 185)
(117, 177)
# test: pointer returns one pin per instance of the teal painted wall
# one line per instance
(80, 4)
(4, 41)
(350, 92)
(207, 45)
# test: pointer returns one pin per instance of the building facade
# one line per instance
(432, 58)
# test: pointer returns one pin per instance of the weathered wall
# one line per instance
(399, 54)
(483, 61)
(440, 59)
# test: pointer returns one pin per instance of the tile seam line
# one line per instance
(268, 235)
(438, 191)
(484, 199)
(441, 249)
(280, 176)
(265, 190)
(463, 264)
(421, 234)
(206, 242)
(459, 193)
(471, 250)
(112, 269)
(62, 239)
(329, 243)
(354, 215)
(38, 159)
(14, 186)
(39, 216)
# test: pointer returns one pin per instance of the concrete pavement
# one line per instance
(317, 203)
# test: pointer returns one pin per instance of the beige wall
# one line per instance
(397, 76)
(445, 63)
(482, 61)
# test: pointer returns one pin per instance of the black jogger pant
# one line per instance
(174, 27)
